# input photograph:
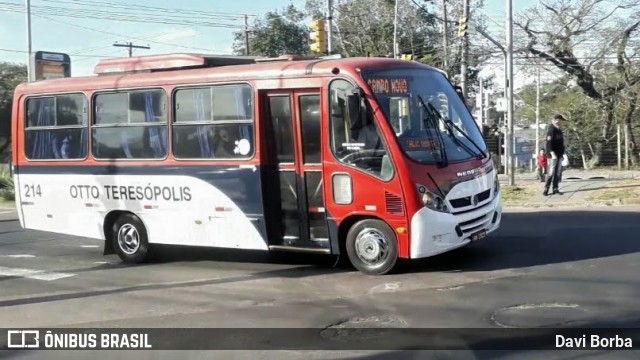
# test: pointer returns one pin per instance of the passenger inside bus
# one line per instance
(224, 145)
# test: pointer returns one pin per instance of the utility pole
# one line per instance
(486, 106)
(481, 107)
(246, 34)
(511, 138)
(395, 33)
(626, 147)
(445, 36)
(619, 147)
(131, 46)
(330, 25)
(505, 85)
(538, 113)
(30, 70)
(465, 51)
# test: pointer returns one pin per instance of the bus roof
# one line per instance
(183, 68)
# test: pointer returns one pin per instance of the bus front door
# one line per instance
(294, 202)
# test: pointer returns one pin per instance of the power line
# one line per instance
(87, 6)
(122, 35)
(121, 16)
(84, 55)
(115, 4)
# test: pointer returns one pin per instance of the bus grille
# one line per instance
(466, 201)
(393, 203)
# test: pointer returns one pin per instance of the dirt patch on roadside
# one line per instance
(623, 190)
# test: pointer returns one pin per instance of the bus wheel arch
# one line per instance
(369, 243)
(127, 236)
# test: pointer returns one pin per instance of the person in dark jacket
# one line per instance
(555, 149)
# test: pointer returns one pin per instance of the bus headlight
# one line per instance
(496, 186)
(432, 201)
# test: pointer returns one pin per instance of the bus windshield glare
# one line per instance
(410, 98)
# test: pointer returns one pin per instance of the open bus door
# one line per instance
(292, 183)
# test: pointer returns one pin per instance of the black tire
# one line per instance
(363, 237)
(130, 240)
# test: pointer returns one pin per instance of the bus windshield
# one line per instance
(430, 121)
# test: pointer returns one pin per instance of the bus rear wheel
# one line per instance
(372, 247)
(129, 238)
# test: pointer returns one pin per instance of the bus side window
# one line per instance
(130, 125)
(56, 127)
(213, 122)
(357, 144)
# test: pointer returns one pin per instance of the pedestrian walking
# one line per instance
(542, 165)
(555, 148)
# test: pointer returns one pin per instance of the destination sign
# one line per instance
(389, 86)
(412, 144)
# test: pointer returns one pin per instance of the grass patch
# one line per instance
(516, 193)
(618, 190)
(7, 190)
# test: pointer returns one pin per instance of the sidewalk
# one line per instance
(7, 205)
(573, 174)
(581, 192)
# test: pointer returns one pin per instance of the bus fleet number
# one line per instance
(32, 191)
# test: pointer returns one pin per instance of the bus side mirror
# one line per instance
(354, 107)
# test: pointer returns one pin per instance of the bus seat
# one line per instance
(386, 169)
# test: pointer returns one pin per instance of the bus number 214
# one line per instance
(32, 191)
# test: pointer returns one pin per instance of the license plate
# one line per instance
(479, 235)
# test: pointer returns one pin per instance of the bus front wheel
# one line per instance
(130, 239)
(372, 247)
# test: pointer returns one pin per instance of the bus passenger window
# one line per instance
(130, 125)
(213, 122)
(56, 127)
(357, 144)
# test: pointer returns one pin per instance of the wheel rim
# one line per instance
(128, 239)
(372, 246)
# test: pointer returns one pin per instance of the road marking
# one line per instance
(18, 256)
(33, 274)
(90, 246)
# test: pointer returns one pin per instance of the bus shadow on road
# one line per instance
(171, 254)
(542, 238)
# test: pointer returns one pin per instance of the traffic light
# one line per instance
(318, 36)
(462, 27)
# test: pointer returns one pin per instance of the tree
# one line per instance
(366, 27)
(556, 30)
(276, 34)
(11, 75)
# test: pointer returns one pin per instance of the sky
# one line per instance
(87, 40)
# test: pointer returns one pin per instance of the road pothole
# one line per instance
(363, 328)
(538, 315)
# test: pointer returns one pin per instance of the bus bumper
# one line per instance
(434, 232)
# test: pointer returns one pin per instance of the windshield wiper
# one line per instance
(449, 124)
(444, 162)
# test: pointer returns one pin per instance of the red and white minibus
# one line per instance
(373, 158)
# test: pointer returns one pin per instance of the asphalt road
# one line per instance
(551, 268)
